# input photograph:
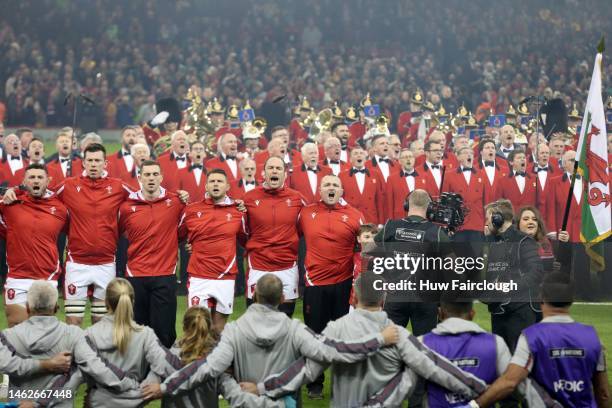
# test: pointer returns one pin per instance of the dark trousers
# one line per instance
(300, 263)
(323, 304)
(510, 324)
(509, 327)
(121, 256)
(240, 288)
(155, 305)
(423, 317)
(182, 272)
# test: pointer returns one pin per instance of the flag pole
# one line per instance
(568, 202)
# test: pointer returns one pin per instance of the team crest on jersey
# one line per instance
(288, 202)
(52, 210)
(199, 214)
(10, 293)
(313, 215)
(109, 189)
(168, 202)
(374, 181)
(133, 208)
(195, 301)
(78, 189)
(257, 203)
(71, 289)
(345, 217)
(228, 216)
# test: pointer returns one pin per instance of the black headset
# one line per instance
(497, 219)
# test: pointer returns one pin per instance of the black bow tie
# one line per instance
(334, 161)
(489, 163)
(230, 157)
(464, 169)
(64, 160)
(197, 166)
(539, 169)
(315, 170)
(179, 158)
(125, 153)
(435, 166)
(578, 177)
(249, 183)
(384, 159)
(15, 158)
(506, 150)
(519, 173)
(413, 174)
(354, 170)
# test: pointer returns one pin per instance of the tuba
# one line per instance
(198, 124)
(322, 121)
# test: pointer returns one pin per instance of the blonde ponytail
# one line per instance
(120, 302)
(199, 337)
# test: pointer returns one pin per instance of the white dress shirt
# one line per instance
(384, 166)
(436, 173)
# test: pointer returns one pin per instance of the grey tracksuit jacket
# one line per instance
(385, 378)
(144, 353)
(41, 337)
(265, 341)
(206, 395)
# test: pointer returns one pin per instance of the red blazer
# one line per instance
(344, 166)
(370, 202)
(7, 176)
(509, 189)
(132, 182)
(116, 166)
(403, 124)
(428, 181)
(372, 165)
(297, 133)
(357, 130)
(544, 196)
(474, 196)
(238, 191)
(187, 182)
(56, 175)
(501, 171)
(558, 198)
(397, 191)
(449, 160)
(219, 162)
(170, 171)
(299, 181)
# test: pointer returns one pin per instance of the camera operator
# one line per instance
(512, 255)
(416, 236)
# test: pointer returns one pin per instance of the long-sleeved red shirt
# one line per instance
(212, 229)
(272, 226)
(331, 235)
(32, 228)
(93, 205)
(151, 227)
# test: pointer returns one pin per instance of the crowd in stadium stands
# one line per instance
(125, 56)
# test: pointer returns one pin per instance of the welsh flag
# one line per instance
(593, 167)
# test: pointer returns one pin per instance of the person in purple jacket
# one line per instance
(565, 357)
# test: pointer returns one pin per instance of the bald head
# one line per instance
(418, 201)
(269, 290)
